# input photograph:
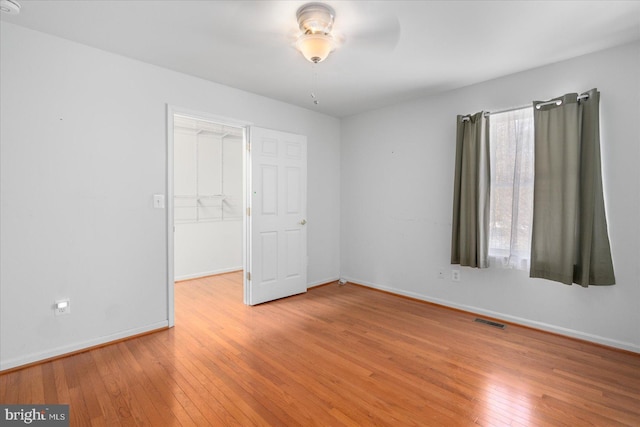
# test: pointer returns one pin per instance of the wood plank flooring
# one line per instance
(335, 356)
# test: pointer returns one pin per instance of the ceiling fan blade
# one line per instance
(384, 39)
(375, 31)
(248, 23)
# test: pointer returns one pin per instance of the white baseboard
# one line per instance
(207, 273)
(61, 351)
(508, 318)
(322, 282)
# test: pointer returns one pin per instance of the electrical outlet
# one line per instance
(441, 274)
(455, 275)
(62, 307)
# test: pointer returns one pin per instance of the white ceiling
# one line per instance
(391, 50)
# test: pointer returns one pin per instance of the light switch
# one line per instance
(158, 201)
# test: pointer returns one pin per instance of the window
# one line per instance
(511, 202)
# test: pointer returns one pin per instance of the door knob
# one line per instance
(303, 222)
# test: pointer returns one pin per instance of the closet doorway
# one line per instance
(217, 188)
(207, 195)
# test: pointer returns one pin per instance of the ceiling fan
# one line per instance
(364, 27)
(318, 38)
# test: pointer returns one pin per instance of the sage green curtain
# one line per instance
(470, 231)
(570, 242)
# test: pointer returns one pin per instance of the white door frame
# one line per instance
(171, 111)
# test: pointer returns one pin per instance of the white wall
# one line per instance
(397, 191)
(207, 248)
(83, 149)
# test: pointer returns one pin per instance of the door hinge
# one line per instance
(248, 146)
(248, 275)
(248, 211)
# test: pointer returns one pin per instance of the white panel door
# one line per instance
(277, 221)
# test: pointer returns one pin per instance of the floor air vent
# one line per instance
(490, 323)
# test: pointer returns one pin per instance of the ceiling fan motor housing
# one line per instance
(315, 18)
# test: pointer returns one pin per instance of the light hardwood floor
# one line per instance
(331, 357)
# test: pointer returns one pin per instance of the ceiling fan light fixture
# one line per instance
(315, 20)
(316, 47)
